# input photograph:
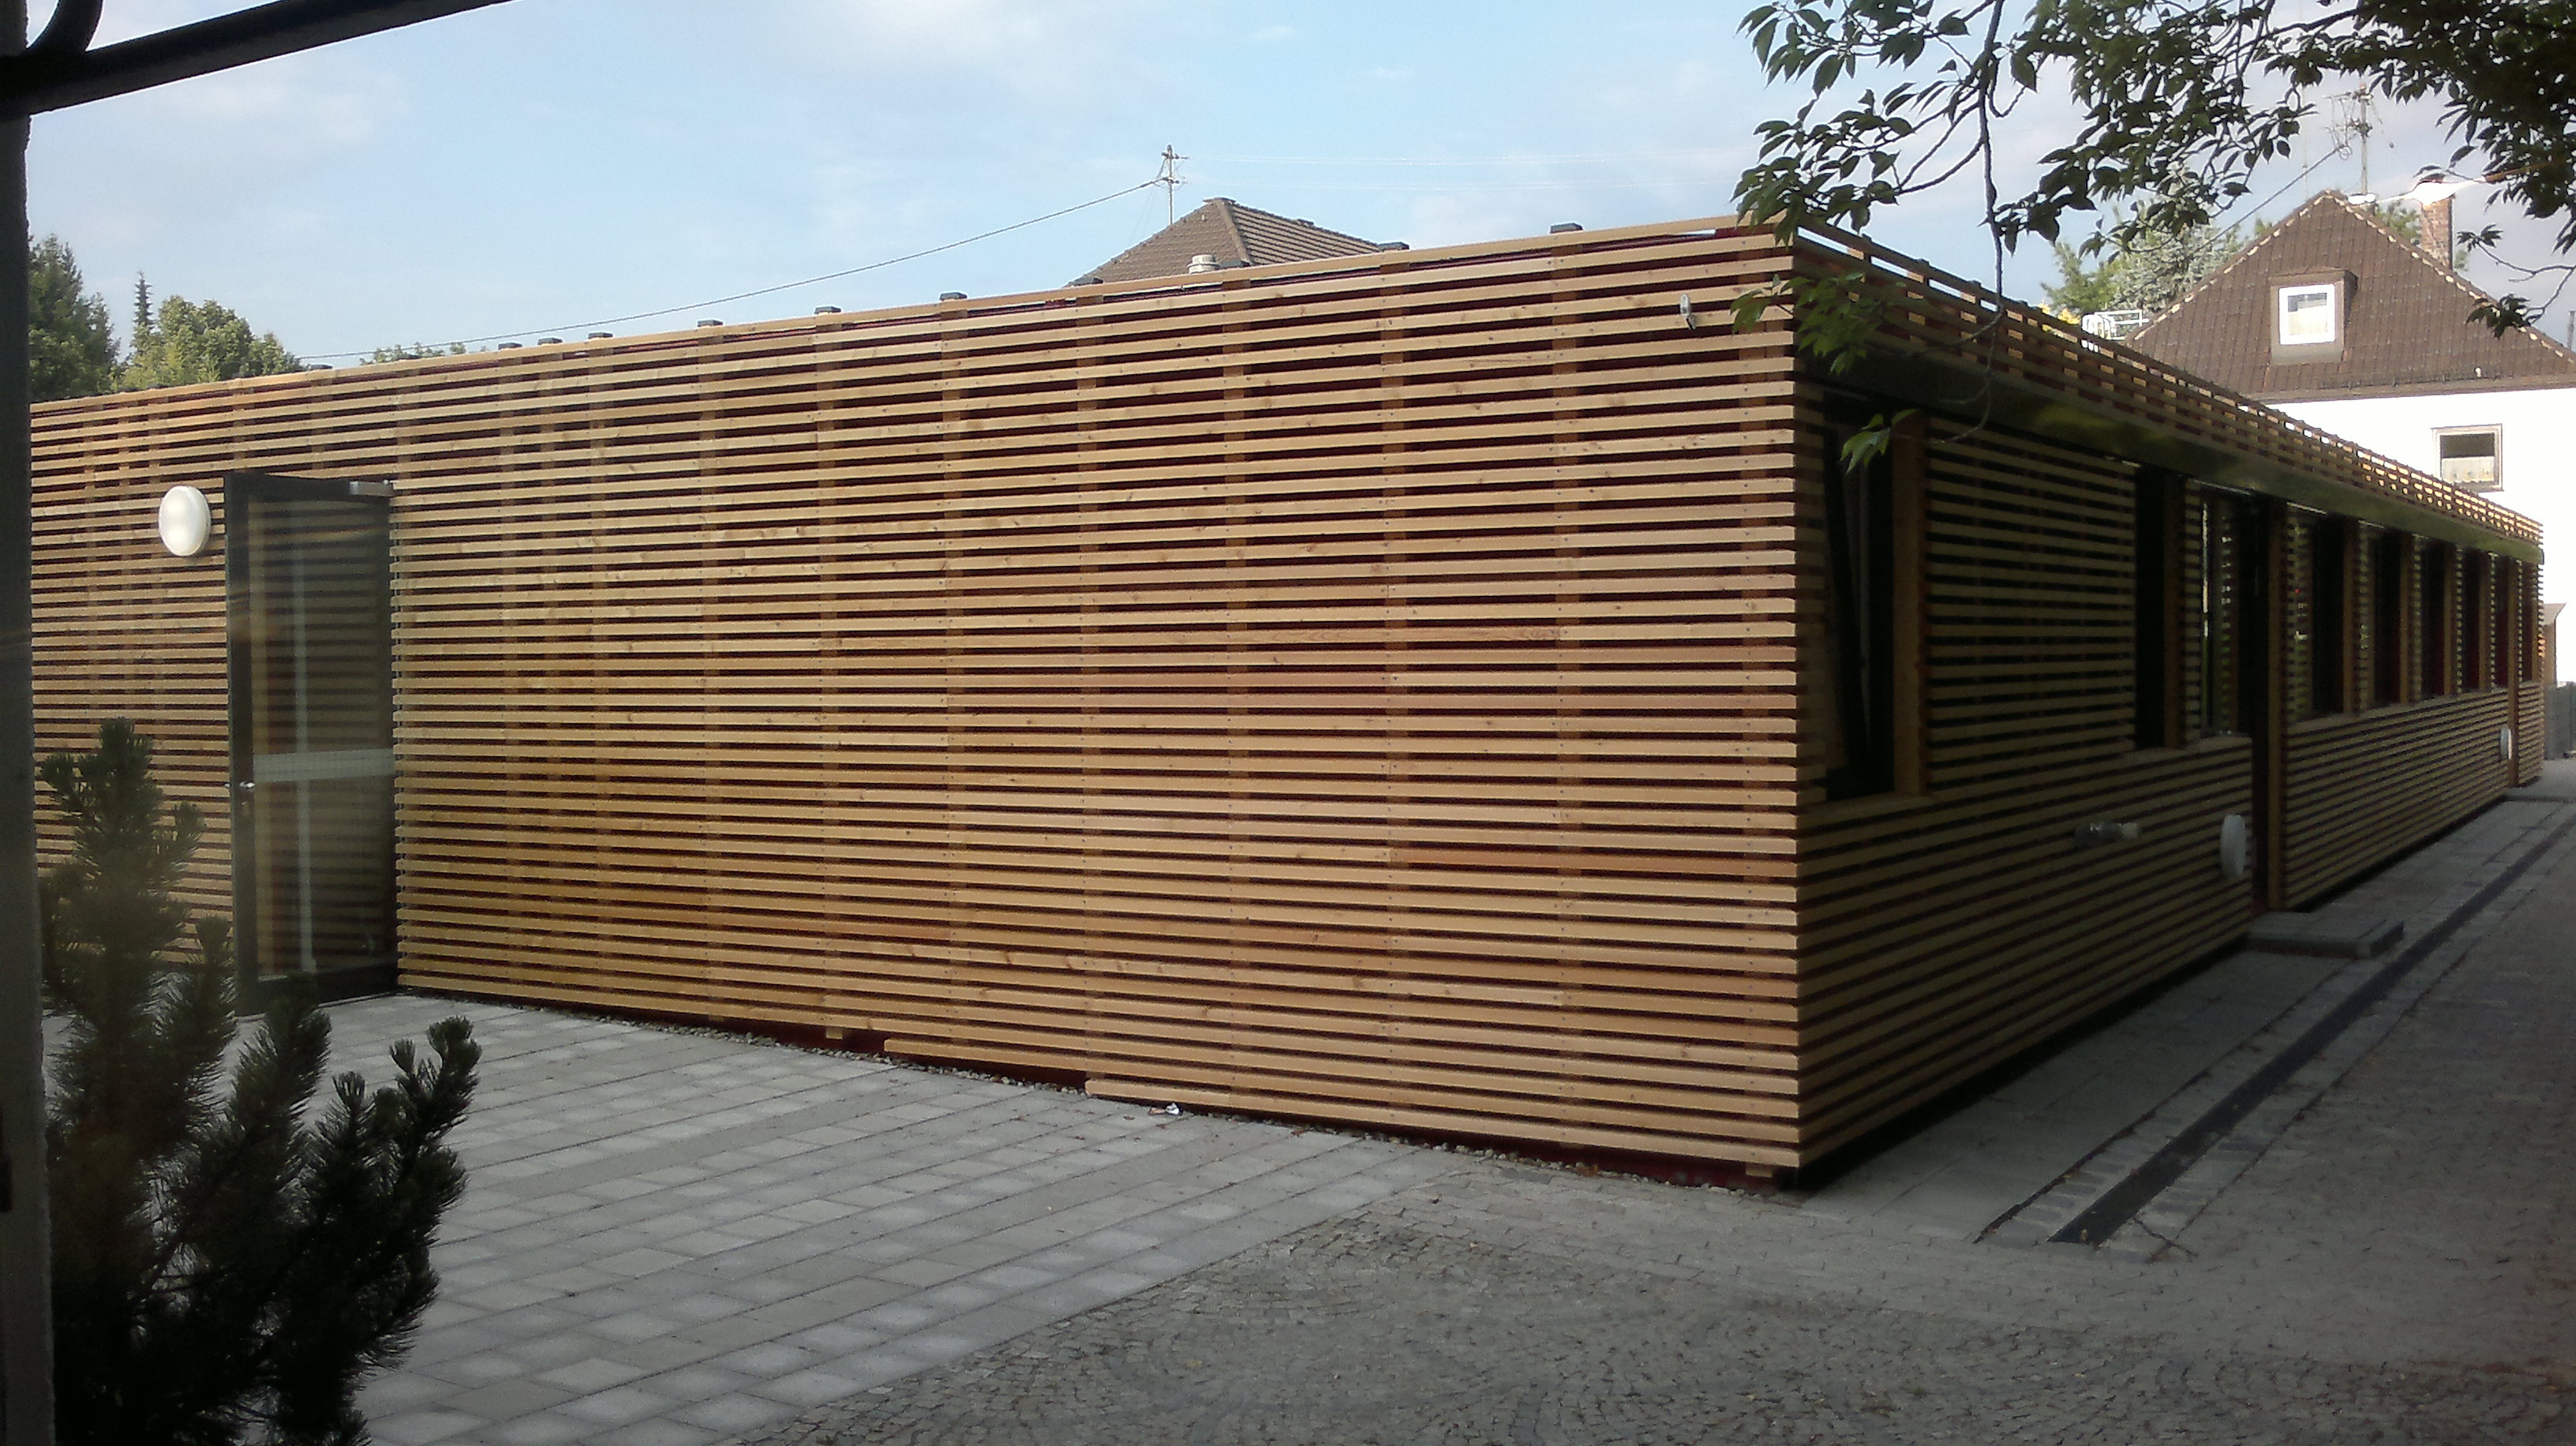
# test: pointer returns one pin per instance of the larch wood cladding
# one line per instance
(1366, 690)
(2363, 787)
(1942, 934)
(125, 630)
(1363, 692)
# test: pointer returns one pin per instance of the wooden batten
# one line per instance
(1378, 690)
(1946, 928)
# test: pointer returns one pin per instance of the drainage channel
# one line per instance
(2117, 1205)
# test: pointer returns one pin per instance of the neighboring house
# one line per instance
(1223, 234)
(2344, 324)
(1459, 690)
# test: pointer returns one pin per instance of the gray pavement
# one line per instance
(668, 1237)
(675, 1237)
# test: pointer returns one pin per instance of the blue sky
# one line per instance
(546, 164)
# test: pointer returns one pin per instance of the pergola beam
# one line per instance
(59, 71)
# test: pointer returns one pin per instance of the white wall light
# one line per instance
(2235, 846)
(186, 521)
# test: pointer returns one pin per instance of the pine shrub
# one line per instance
(228, 1265)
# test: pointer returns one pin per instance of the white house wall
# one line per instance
(2535, 451)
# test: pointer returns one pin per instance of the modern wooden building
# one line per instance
(1454, 690)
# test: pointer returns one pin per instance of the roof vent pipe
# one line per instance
(1204, 261)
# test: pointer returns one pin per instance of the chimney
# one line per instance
(2436, 232)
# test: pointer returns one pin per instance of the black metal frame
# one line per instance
(59, 69)
(241, 489)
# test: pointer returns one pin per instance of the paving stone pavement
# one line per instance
(668, 1236)
(676, 1236)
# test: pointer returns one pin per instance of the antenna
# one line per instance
(1170, 179)
(2352, 127)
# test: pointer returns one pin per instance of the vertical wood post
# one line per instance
(2271, 624)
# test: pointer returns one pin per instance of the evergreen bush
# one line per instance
(225, 1269)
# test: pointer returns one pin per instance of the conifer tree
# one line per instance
(224, 1267)
(71, 351)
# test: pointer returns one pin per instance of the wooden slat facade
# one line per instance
(1373, 690)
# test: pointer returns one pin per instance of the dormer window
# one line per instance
(2308, 312)
(2308, 315)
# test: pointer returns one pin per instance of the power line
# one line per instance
(782, 286)
(1482, 186)
(1466, 158)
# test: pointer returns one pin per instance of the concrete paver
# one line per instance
(655, 1219)
(677, 1237)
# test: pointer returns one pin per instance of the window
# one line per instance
(2329, 604)
(2438, 635)
(2157, 605)
(2507, 607)
(2231, 574)
(2308, 315)
(1858, 677)
(2392, 556)
(2476, 638)
(2469, 456)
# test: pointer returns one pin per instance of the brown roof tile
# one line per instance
(2406, 330)
(1233, 233)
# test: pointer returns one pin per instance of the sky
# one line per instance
(550, 167)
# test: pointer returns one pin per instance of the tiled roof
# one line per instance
(2407, 329)
(1233, 233)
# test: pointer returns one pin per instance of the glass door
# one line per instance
(308, 569)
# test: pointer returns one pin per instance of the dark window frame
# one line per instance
(2438, 621)
(2329, 589)
(2391, 568)
(1859, 663)
(2234, 662)
(2157, 695)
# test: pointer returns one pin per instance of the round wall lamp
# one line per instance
(2235, 846)
(2504, 742)
(186, 521)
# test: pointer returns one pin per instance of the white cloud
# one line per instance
(1051, 50)
(1270, 34)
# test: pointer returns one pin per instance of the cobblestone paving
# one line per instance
(1363, 1331)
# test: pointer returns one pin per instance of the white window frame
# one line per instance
(2492, 430)
(2332, 295)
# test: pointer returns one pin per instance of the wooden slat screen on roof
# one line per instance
(1947, 318)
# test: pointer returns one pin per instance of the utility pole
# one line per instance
(2352, 127)
(1169, 178)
